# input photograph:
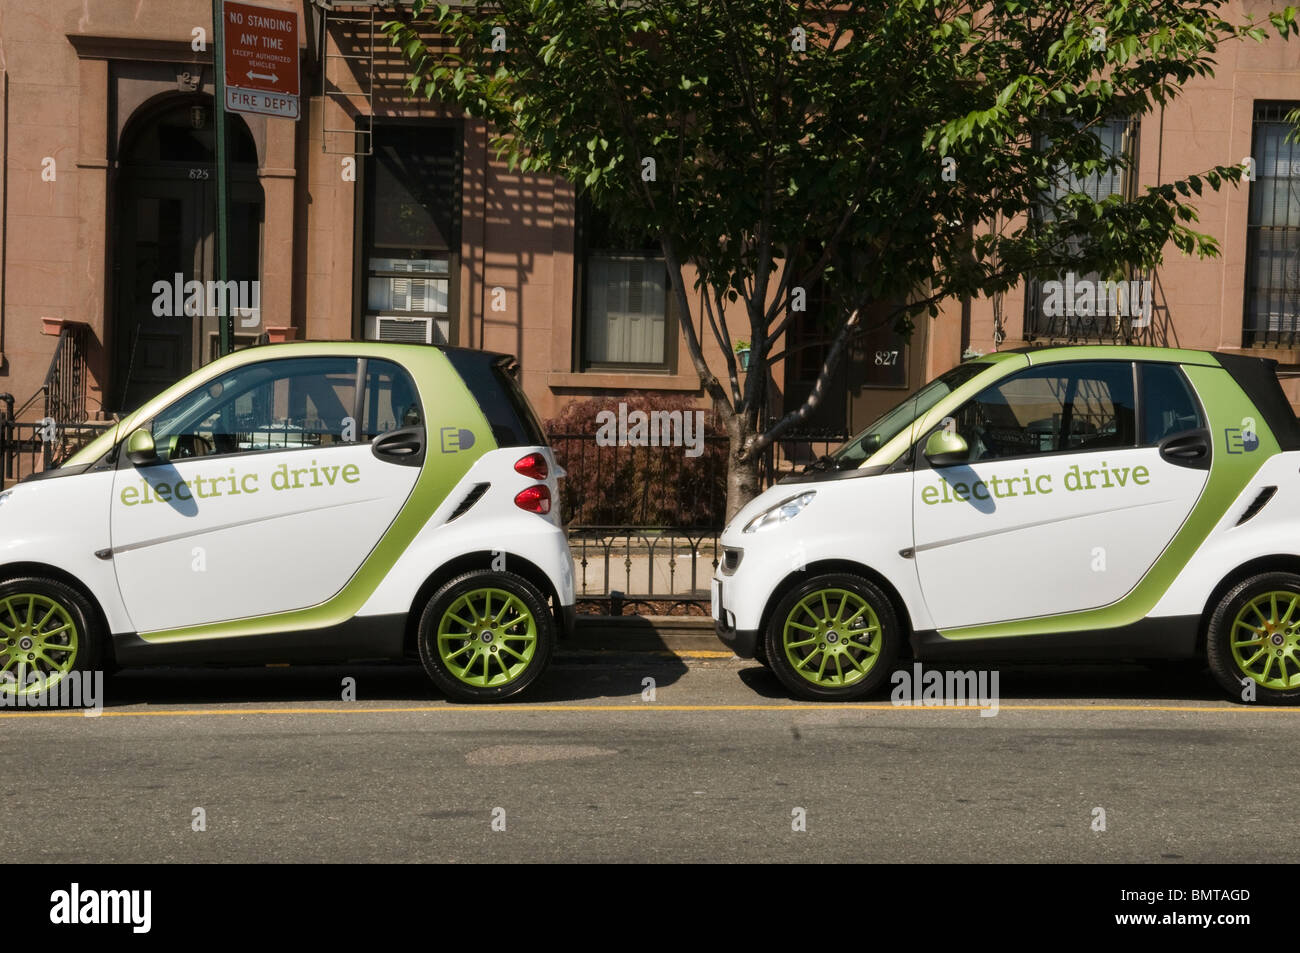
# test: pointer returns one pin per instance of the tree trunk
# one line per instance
(742, 470)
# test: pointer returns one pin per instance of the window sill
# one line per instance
(622, 380)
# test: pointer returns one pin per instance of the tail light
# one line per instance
(532, 466)
(534, 499)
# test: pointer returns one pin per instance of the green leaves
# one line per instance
(831, 160)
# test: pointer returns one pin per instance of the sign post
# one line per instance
(225, 315)
(256, 60)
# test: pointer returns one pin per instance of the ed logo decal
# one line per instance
(1240, 441)
(455, 439)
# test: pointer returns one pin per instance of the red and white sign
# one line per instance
(261, 59)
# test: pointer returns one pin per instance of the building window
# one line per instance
(1272, 308)
(625, 313)
(411, 243)
(1053, 311)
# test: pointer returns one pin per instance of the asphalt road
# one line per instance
(713, 769)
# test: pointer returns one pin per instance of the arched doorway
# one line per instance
(166, 234)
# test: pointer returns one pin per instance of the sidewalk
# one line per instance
(631, 633)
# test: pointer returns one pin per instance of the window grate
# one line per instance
(1271, 315)
(1052, 318)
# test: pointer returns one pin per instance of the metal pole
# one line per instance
(225, 314)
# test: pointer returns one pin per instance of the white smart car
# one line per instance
(1067, 502)
(306, 502)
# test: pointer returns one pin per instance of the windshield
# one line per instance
(890, 424)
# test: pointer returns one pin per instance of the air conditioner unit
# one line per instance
(387, 327)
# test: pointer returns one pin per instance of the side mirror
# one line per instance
(140, 449)
(943, 449)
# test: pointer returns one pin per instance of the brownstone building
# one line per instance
(376, 215)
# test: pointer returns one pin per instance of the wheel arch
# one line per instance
(28, 568)
(1277, 562)
(468, 562)
(824, 566)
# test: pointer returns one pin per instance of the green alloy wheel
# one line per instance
(834, 637)
(46, 632)
(486, 636)
(1254, 637)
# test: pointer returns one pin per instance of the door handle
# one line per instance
(1187, 449)
(404, 446)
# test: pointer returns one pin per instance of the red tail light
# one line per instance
(532, 466)
(535, 499)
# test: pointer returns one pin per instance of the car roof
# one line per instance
(1114, 352)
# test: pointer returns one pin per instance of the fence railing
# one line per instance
(29, 446)
(644, 522)
(65, 381)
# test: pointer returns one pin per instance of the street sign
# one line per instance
(261, 59)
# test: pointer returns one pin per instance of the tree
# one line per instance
(892, 152)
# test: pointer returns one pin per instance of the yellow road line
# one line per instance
(646, 707)
(691, 653)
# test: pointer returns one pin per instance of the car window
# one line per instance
(1168, 405)
(1052, 409)
(891, 423)
(491, 380)
(288, 403)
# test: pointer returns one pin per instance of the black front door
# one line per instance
(166, 240)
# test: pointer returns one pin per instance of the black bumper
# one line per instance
(740, 641)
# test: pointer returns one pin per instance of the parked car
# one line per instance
(299, 502)
(1063, 502)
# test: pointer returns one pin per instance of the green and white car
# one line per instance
(305, 502)
(1065, 502)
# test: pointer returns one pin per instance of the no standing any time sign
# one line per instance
(261, 59)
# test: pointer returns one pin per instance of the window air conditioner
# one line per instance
(418, 330)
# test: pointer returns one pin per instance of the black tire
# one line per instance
(438, 668)
(15, 638)
(760, 651)
(1231, 675)
(858, 685)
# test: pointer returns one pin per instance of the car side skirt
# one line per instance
(361, 637)
(1149, 638)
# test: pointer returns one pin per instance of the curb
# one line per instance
(637, 633)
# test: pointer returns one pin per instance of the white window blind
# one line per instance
(626, 305)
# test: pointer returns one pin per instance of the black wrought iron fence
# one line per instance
(64, 386)
(644, 522)
(29, 446)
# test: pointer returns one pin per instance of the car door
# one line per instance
(273, 483)
(1070, 491)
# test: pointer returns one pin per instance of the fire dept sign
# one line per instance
(261, 59)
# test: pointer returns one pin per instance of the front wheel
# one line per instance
(48, 630)
(836, 637)
(485, 636)
(1253, 641)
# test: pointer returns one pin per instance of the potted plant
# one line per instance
(742, 351)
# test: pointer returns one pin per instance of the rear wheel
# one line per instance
(47, 631)
(485, 636)
(1253, 642)
(835, 637)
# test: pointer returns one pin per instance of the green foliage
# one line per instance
(778, 167)
(635, 486)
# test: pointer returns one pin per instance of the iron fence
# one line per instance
(643, 522)
(29, 446)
